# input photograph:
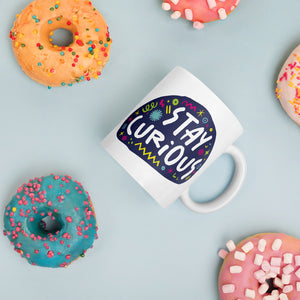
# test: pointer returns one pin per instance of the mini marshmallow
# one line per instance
(222, 13)
(258, 259)
(275, 293)
(278, 282)
(175, 1)
(262, 245)
(248, 247)
(275, 261)
(198, 25)
(228, 288)
(276, 244)
(297, 273)
(286, 279)
(271, 275)
(250, 293)
(265, 266)
(298, 286)
(263, 288)
(211, 3)
(189, 14)
(239, 255)
(235, 269)
(287, 289)
(283, 296)
(176, 15)
(288, 269)
(259, 274)
(166, 6)
(287, 258)
(223, 253)
(269, 297)
(230, 245)
(297, 260)
(274, 269)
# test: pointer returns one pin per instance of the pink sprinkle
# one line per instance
(31, 219)
(56, 177)
(36, 251)
(50, 254)
(50, 203)
(68, 256)
(68, 191)
(50, 186)
(69, 219)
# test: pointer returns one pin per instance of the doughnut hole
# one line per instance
(45, 225)
(58, 34)
(61, 37)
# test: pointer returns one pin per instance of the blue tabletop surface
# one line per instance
(146, 252)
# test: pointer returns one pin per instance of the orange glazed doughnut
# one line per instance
(54, 65)
(265, 266)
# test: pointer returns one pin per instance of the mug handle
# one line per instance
(231, 191)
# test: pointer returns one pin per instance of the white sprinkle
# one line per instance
(198, 25)
(286, 279)
(211, 3)
(176, 15)
(235, 269)
(278, 282)
(166, 6)
(288, 258)
(275, 261)
(230, 245)
(263, 288)
(239, 255)
(283, 296)
(228, 288)
(222, 13)
(287, 289)
(288, 269)
(175, 1)
(297, 260)
(262, 245)
(189, 14)
(258, 259)
(297, 273)
(237, 2)
(232, 7)
(248, 247)
(250, 293)
(276, 244)
(298, 286)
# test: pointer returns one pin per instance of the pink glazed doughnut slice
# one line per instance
(288, 86)
(265, 266)
(200, 11)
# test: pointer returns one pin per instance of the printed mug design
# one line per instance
(173, 134)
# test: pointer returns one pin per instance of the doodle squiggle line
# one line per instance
(149, 107)
(192, 107)
(147, 153)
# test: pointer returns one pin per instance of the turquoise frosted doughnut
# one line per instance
(51, 221)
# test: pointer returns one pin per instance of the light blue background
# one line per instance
(146, 252)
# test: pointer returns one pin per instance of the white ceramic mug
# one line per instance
(173, 135)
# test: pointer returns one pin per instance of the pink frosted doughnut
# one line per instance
(288, 86)
(200, 11)
(265, 266)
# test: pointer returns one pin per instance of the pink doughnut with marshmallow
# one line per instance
(200, 11)
(265, 266)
